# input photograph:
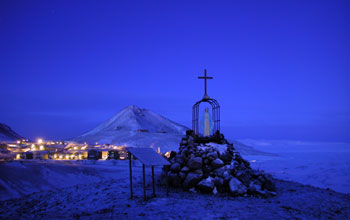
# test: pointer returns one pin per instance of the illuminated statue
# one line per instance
(206, 123)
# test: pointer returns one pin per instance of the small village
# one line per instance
(60, 150)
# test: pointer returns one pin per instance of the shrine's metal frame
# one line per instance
(215, 114)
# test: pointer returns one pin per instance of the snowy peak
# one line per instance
(133, 118)
(7, 134)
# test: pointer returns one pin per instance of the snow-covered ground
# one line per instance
(325, 165)
(109, 199)
(19, 178)
(99, 190)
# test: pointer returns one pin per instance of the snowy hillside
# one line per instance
(7, 134)
(138, 127)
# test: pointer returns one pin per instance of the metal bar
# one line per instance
(144, 182)
(130, 172)
(197, 125)
(205, 82)
(154, 188)
(167, 179)
(193, 117)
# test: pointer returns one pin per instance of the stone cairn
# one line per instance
(211, 165)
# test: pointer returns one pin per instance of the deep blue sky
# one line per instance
(280, 68)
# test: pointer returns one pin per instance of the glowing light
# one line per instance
(67, 157)
(42, 147)
(167, 154)
(55, 156)
(61, 156)
(18, 142)
(40, 141)
(75, 148)
(18, 156)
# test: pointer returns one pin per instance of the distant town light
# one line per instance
(40, 141)
(18, 142)
(42, 147)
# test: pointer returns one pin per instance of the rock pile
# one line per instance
(212, 165)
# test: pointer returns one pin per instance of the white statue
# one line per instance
(206, 132)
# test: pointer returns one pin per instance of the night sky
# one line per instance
(280, 68)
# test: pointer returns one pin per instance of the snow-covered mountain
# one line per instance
(133, 118)
(137, 127)
(7, 134)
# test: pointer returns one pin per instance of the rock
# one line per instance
(184, 142)
(182, 176)
(213, 155)
(185, 169)
(174, 179)
(256, 173)
(199, 165)
(218, 181)
(236, 187)
(244, 177)
(185, 152)
(175, 167)
(172, 155)
(207, 169)
(220, 171)
(199, 171)
(195, 163)
(270, 194)
(180, 158)
(226, 176)
(268, 183)
(191, 180)
(217, 163)
(206, 185)
(246, 163)
(234, 165)
(254, 188)
(226, 157)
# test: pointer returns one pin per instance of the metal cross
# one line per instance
(205, 77)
